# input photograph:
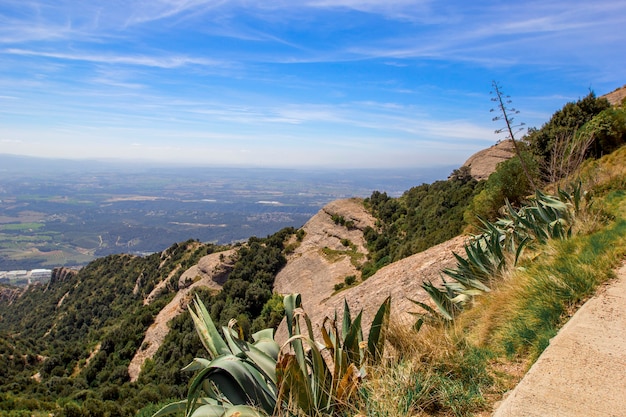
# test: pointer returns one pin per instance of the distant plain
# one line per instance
(66, 213)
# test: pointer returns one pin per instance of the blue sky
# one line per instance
(288, 83)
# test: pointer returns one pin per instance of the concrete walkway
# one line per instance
(583, 371)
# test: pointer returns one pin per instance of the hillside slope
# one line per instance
(210, 272)
(401, 280)
(322, 261)
(617, 96)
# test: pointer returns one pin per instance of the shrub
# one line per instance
(349, 280)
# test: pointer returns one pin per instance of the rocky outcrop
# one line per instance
(616, 97)
(8, 294)
(312, 274)
(322, 259)
(210, 272)
(61, 274)
(401, 280)
(484, 163)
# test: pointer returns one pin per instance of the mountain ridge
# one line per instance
(112, 336)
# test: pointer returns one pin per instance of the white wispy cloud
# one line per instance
(171, 61)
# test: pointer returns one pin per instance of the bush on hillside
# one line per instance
(507, 183)
(423, 217)
(546, 142)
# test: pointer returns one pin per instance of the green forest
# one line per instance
(100, 306)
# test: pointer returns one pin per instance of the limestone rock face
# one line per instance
(617, 96)
(8, 294)
(210, 272)
(322, 259)
(484, 163)
(313, 274)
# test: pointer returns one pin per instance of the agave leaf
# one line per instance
(262, 362)
(291, 303)
(212, 396)
(454, 288)
(230, 336)
(173, 408)
(242, 411)
(347, 320)
(378, 331)
(194, 390)
(517, 217)
(545, 215)
(197, 364)
(477, 285)
(216, 410)
(264, 341)
(312, 388)
(424, 306)
(321, 381)
(461, 299)
(418, 324)
(294, 385)
(554, 203)
(520, 248)
(354, 337)
(241, 383)
(474, 258)
(473, 292)
(254, 357)
(209, 410)
(440, 300)
(348, 384)
(329, 333)
(207, 331)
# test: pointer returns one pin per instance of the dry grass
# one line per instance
(606, 173)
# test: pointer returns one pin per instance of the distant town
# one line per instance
(23, 278)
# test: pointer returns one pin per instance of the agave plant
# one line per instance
(548, 217)
(319, 377)
(239, 379)
(255, 379)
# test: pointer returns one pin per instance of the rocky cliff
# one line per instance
(617, 96)
(322, 261)
(484, 162)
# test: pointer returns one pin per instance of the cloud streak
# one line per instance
(167, 62)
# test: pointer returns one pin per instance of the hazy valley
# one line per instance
(67, 213)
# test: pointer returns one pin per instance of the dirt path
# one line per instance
(583, 371)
